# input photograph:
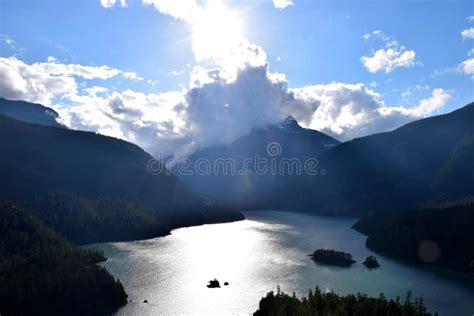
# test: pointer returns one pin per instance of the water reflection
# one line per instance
(256, 255)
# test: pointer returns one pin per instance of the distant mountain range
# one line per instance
(425, 162)
(233, 179)
(429, 161)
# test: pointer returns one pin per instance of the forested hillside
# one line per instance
(93, 188)
(441, 236)
(429, 161)
(43, 274)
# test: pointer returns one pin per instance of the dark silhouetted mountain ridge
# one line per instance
(75, 181)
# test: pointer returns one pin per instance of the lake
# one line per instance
(267, 249)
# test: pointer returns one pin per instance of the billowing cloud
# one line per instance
(149, 120)
(40, 82)
(281, 4)
(20, 81)
(347, 111)
(214, 110)
(468, 33)
(228, 95)
(218, 112)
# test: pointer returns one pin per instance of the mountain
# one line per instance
(242, 172)
(43, 274)
(85, 220)
(29, 112)
(80, 183)
(425, 162)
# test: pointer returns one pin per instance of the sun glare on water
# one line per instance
(216, 31)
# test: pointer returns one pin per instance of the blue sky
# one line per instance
(310, 42)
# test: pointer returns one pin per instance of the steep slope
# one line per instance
(42, 274)
(233, 173)
(37, 158)
(440, 236)
(424, 162)
(85, 220)
(38, 161)
(29, 112)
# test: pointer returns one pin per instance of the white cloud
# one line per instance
(380, 35)
(20, 81)
(467, 67)
(41, 82)
(470, 18)
(411, 95)
(111, 3)
(388, 59)
(212, 111)
(145, 119)
(282, 4)
(93, 91)
(468, 33)
(436, 101)
(7, 40)
(218, 112)
(347, 111)
(53, 67)
(131, 75)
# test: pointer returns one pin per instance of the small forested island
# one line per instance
(213, 284)
(333, 257)
(43, 274)
(371, 262)
(318, 303)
